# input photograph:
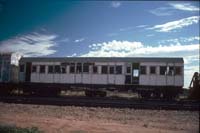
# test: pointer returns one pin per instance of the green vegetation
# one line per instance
(13, 129)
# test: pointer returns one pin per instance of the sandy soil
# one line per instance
(68, 119)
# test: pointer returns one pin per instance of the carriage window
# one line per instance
(95, 69)
(86, 67)
(142, 69)
(50, 69)
(118, 69)
(63, 69)
(104, 70)
(111, 70)
(135, 73)
(79, 68)
(171, 70)
(177, 70)
(152, 70)
(128, 69)
(21, 68)
(34, 69)
(163, 70)
(57, 69)
(42, 69)
(72, 68)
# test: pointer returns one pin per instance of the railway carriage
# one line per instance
(149, 77)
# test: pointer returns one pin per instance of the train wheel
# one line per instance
(102, 94)
(146, 95)
(89, 93)
(156, 95)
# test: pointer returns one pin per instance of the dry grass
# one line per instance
(83, 119)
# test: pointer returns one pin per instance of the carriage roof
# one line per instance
(101, 59)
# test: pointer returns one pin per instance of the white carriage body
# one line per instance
(172, 76)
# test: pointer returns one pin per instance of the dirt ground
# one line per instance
(69, 119)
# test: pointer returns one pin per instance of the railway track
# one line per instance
(105, 102)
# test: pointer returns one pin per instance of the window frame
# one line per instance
(79, 68)
(143, 71)
(86, 66)
(72, 67)
(34, 69)
(63, 68)
(57, 69)
(170, 72)
(95, 72)
(104, 69)
(42, 70)
(50, 72)
(150, 70)
(134, 73)
(165, 71)
(128, 69)
(111, 69)
(116, 69)
(180, 70)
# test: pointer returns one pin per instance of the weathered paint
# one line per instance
(117, 79)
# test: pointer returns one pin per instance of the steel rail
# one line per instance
(105, 102)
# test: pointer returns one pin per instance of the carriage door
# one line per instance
(135, 73)
(28, 72)
(128, 74)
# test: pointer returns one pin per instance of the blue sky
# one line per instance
(102, 28)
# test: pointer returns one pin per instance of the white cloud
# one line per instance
(79, 40)
(188, 73)
(191, 58)
(162, 11)
(126, 48)
(15, 58)
(171, 8)
(178, 24)
(115, 4)
(141, 26)
(137, 49)
(180, 40)
(34, 44)
(190, 39)
(184, 6)
(73, 55)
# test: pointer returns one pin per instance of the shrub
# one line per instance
(13, 129)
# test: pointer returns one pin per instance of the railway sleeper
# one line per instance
(42, 91)
(95, 93)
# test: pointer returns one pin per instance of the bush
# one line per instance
(13, 129)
